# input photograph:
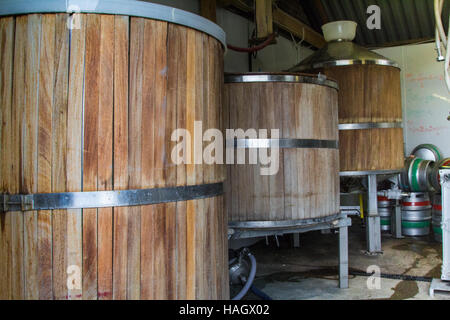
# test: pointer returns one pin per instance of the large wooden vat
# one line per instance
(370, 117)
(370, 109)
(306, 186)
(92, 109)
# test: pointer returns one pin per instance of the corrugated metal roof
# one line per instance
(401, 20)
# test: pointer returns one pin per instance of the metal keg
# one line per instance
(416, 214)
(427, 152)
(434, 173)
(415, 175)
(385, 210)
(437, 217)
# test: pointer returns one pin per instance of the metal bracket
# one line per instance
(13, 202)
(351, 210)
(439, 285)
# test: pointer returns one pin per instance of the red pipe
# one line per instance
(255, 48)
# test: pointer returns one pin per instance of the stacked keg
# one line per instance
(419, 176)
(437, 217)
(421, 170)
(415, 175)
(416, 214)
(386, 209)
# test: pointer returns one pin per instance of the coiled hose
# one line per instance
(250, 279)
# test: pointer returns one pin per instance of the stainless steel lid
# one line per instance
(342, 53)
(120, 7)
(280, 77)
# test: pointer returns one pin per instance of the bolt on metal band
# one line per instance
(106, 199)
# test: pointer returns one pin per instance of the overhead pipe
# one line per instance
(254, 48)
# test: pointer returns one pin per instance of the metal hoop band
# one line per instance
(370, 125)
(366, 173)
(283, 224)
(284, 143)
(105, 199)
(295, 78)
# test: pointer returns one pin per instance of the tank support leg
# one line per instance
(296, 240)
(373, 227)
(343, 256)
(396, 222)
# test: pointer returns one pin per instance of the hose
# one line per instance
(255, 48)
(250, 279)
(260, 293)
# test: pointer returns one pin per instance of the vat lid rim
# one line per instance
(116, 7)
(270, 77)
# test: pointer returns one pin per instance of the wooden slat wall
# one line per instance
(121, 215)
(30, 155)
(59, 156)
(6, 85)
(307, 183)
(369, 93)
(75, 149)
(105, 155)
(94, 108)
(17, 110)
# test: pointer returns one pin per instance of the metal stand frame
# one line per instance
(443, 284)
(373, 227)
(341, 222)
(396, 221)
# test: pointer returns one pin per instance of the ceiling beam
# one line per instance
(298, 28)
(238, 4)
(208, 9)
(285, 22)
(263, 17)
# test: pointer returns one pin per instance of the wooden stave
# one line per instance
(46, 278)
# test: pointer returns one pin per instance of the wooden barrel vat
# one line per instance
(370, 117)
(93, 206)
(305, 188)
(370, 108)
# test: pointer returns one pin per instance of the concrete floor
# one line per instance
(310, 272)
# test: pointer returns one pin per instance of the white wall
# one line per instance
(281, 56)
(236, 28)
(426, 101)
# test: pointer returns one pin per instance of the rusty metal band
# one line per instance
(106, 199)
